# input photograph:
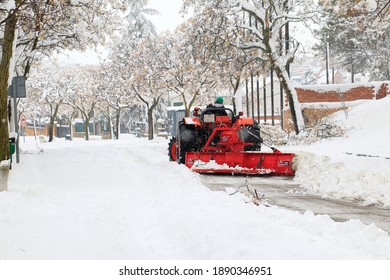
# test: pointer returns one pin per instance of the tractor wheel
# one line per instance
(186, 140)
(181, 153)
(254, 137)
(172, 149)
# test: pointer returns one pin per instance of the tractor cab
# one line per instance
(217, 117)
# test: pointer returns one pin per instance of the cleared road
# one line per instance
(285, 193)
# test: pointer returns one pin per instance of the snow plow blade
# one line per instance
(247, 163)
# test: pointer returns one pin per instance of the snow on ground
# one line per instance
(124, 200)
(356, 167)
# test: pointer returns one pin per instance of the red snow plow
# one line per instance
(215, 143)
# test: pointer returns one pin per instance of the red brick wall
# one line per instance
(383, 90)
(329, 93)
(351, 92)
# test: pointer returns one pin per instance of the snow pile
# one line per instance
(273, 135)
(321, 129)
(213, 165)
(5, 164)
(321, 175)
(355, 167)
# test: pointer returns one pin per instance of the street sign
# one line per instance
(23, 123)
(19, 86)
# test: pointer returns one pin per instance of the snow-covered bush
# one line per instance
(273, 135)
(321, 129)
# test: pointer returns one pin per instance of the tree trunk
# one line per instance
(117, 124)
(51, 123)
(150, 123)
(86, 128)
(70, 128)
(7, 49)
(235, 85)
(107, 114)
(190, 104)
(51, 128)
(295, 106)
(110, 125)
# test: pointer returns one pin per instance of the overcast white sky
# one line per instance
(169, 11)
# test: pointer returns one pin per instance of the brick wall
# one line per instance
(330, 94)
(349, 92)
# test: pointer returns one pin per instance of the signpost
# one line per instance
(17, 90)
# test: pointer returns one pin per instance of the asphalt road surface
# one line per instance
(283, 192)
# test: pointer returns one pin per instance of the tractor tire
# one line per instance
(253, 136)
(186, 142)
(172, 149)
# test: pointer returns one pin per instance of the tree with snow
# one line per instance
(85, 96)
(55, 26)
(261, 23)
(357, 34)
(115, 95)
(127, 53)
(267, 19)
(32, 106)
(69, 114)
(52, 91)
(212, 20)
(32, 28)
(190, 69)
(147, 79)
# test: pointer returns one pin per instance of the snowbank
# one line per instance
(355, 167)
(334, 179)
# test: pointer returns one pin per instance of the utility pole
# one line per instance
(287, 48)
(258, 96)
(332, 75)
(272, 97)
(247, 96)
(265, 97)
(327, 62)
(252, 97)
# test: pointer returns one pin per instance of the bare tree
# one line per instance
(147, 79)
(115, 95)
(85, 96)
(261, 23)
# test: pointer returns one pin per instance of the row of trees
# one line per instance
(32, 29)
(221, 45)
(89, 92)
(214, 48)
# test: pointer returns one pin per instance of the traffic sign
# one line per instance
(23, 123)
